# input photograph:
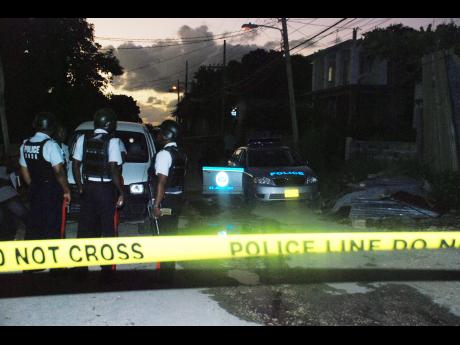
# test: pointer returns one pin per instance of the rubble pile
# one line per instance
(380, 197)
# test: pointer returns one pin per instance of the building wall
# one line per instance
(438, 131)
(348, 67)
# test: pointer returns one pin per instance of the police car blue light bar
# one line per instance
(223, 169)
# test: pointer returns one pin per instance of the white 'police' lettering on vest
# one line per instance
(31, 151)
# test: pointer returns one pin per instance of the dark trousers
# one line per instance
(11, 211)
(45, 211)
(169, 224)
(97, 210)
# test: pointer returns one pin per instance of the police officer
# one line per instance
(42, 167)
(168, 177)
(60, 137)
(12, 208)
(99, 181)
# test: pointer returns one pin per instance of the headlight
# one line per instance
(136, 188)
(264, 180)
(311, 180)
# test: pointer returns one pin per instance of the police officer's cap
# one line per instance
(45, 121)
(170, 129)
(106, 119)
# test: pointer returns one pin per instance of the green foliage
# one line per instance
(125, 107)
(259, 79)
(321, 146)
(53, 64)
(446, 188)
(404, 47)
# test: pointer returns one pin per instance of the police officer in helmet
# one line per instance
(42, 167)
(99, 181)
(168, 178)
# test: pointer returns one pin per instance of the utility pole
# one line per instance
(224, 63)
(186, 77)
(295, 131)
(4, 124)
(178, 91)
(178, 100)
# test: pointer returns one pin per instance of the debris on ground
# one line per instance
(381, 197)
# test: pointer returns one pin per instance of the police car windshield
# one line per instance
(135, 144)
(273, 157)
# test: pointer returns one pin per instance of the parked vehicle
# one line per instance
(141, 150)
(273, 171)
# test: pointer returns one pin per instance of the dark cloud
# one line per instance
(153, 114)
(159, 65)
(292, 43)
(155, 101)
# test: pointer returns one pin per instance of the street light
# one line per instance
(176, 88)
(251, 26)
(284, 34)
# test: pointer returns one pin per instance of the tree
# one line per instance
(403, 47)
(125, 107)
(260, 79)
(53, 64)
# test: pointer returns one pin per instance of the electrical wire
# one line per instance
(271, 63)
(170, 59)
(181, 44)
(169, 77)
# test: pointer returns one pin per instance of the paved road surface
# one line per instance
(389, 288)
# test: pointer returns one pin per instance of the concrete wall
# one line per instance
(439, 124)
(346, 57)
(380, 150)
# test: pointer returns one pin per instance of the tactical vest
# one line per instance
(177, 170)
(40, 170)
(95, 161)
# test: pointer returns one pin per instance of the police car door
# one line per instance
(224, 180)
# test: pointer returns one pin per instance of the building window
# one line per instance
(330, 74)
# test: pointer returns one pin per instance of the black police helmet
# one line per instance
(106, 119)
(170, 129)
(45, 121)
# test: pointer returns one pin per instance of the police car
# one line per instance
(140, 149)
(273, 171)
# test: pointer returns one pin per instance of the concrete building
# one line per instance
(352, 89)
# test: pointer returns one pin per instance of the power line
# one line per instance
(179, 39)
(319, 33)
(168, 78)
(311, 43)
(248, 79)
(316, 24)
(170, 59)
(181, 44)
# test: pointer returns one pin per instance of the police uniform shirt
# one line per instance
(163, 161)
(114, 151)
(65, 153)
(52, 153)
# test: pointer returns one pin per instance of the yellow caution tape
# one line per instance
(27, 255)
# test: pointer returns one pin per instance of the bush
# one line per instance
(446, 188)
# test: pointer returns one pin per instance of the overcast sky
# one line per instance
(153, 62)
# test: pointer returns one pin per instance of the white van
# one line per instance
(141, 151)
